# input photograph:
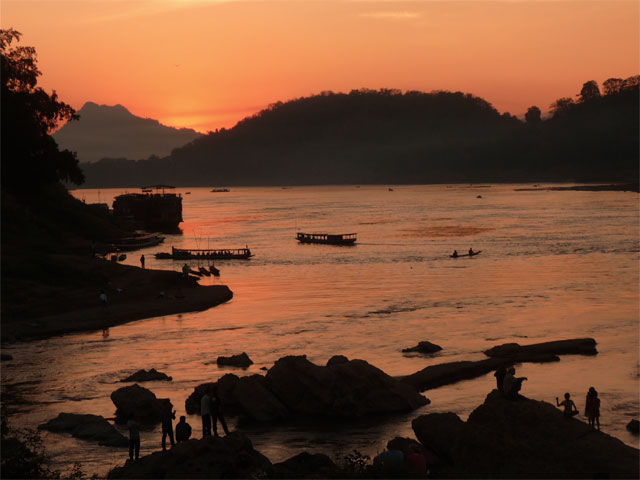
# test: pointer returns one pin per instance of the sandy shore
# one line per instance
(133, 294)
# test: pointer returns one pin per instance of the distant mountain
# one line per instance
(387, 136)
(105, 131)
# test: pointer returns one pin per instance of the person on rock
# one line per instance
(134, 439)
(570, 409)
(205, 412)
(511, 384)
(167, 427)
(183, 430)
(592, 408)
(500, 374)
(216, 414)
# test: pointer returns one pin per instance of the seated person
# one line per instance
(570, 408)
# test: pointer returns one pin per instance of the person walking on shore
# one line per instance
(592, 408)
(134, 439)
(142, 261)
(570, 409)
(167, 427)
(205, 412)
(216, 415)
(183, 430)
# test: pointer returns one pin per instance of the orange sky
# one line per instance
(206, 64)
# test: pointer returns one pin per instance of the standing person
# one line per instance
(500, 374)
(570, 409)
(134, 439)
(183, 430)
(167, 426)
(216, 415)
(592, 408)
(205, 411)
(142, 261)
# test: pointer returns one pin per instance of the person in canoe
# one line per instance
(471, 252)
(455, 254)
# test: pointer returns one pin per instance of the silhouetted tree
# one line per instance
(612, 85)
(30, 156)
(631, 82)
(590, 91)
(533, 115)
(561, 106)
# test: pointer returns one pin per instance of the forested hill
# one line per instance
(387, 136)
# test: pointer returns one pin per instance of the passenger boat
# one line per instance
(206, 253)
(220, 190)
(154, 210)
(327, 238)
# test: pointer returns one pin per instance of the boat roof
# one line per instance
(157, 187)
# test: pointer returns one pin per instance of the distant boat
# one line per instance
(467, 254)
(390, 189)
(155, 209)
(205, 253)
(204, 271)
(214, 271)
(327, 238)
(137, 242)
(220, 190)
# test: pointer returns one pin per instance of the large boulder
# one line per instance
(350, 389)
(241, 360)
(256, 402)
(529, 439)
(147, 376)
(305, 465)
(87, 427)
(423, 347)
(576, 346)
(138, 403)
(439, 432)
(232, 456)
(224, 388)
(634, 426)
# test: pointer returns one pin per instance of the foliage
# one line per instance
(23, 455)
(30, 156)
(533, 115)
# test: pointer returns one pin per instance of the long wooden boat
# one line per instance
(206, 253)
(137, 242)
(466, 254)
(327, 238)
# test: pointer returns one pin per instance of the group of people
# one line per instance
(591, 407)
(210, 410)
(510, 386)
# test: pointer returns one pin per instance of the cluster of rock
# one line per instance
(522, 439)
(296, 387)
(87, 427)
(147, 376)
(540, 351)
(138, 403)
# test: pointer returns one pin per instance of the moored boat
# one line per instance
(155, 211)
(327, 238)
(206, 253)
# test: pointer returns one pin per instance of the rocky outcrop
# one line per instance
(138, 403)
(257, 402)
(305, 465)
(87, 427)
(446, 373)
(232, 456)
(337, 359)
(423, 347)
(524, 439)
(350, 389)
(576, 346)
(634, 426)
(241, 360)
(147, 376)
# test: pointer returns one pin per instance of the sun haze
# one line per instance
(206, 64)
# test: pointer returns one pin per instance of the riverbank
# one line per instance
(132, 294)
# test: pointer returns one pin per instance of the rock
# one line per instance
(232, 456)
(147, 376)
(446, 373)
(423, 347)
(241, 360)
(634, 426)
(224, 386)
(525, 439)
(576, 346)
(438, 432)
(5, 356)
(256, 402)
(337, 359)
(351, 389)
(138, 403)
(87, 427)
(305, 465)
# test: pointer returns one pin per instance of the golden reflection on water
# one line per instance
(554, 265)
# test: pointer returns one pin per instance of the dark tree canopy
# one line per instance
(590, 91)
(30, 156)
(533, 115)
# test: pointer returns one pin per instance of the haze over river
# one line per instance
(554, 265)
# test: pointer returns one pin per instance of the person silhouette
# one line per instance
(134, 439)
(216, 414)
(592, 408)
(205, 412)
(167, 426)
(183, 430)
(570, 409)
(511, 384)
(142, 261)
(455, 254)
(471, 252)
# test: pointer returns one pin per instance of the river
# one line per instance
(554, 265)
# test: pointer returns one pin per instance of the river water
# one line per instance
(554, 265)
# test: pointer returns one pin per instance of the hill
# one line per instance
(387, 136)
(105, 131)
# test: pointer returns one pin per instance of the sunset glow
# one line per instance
(206, 64)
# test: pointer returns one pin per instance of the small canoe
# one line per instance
(204, 271)
(467, 255)
(195, 272)
(122, 257)
(214, 271)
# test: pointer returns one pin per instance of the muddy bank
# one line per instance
(132, 294)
